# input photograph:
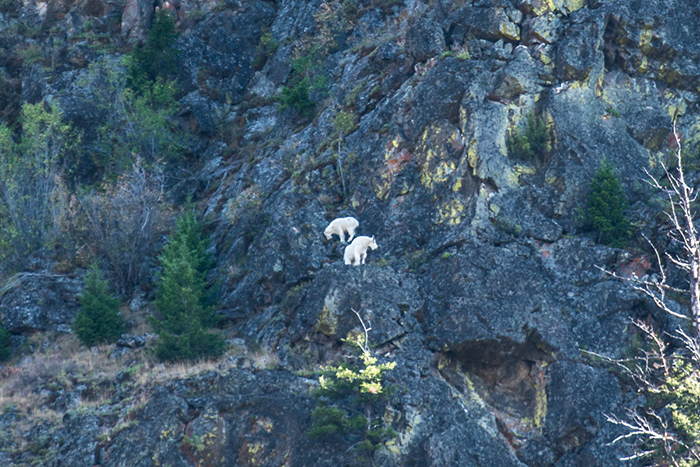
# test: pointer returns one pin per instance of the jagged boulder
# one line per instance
(32, 302)
(217, 57)
(425, 39)
(578, 51)
(136, 19)
(490, 23)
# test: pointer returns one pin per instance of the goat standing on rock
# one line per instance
(340, 226)
(356, 252)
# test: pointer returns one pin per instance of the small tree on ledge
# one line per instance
(349, 397)
(606, 207)
(98, 320)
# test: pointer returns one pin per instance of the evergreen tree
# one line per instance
(606, 207)
(157, 58)
(5, 349)
(184, 301)
(98, 319)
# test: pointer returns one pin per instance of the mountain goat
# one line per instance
(340, 226)
(356, 252)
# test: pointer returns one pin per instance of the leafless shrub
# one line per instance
(123, 224)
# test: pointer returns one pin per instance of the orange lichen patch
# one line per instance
(394, 161)
(636, 267)
(545, 249)
(394, 165)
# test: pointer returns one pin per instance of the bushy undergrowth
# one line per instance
(157, 58)
(33, 196)
(682, 392)
(309, 82)
(533, 143)
(121, 224)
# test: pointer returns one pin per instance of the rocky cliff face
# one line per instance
(484, 289)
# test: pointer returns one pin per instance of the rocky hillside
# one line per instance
(486, 288)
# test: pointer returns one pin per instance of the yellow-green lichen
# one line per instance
(545, 57)
(539, 8)
(644, 65)
(569, 6)
(399, 445)
(509, 30)
(256, 451)
(645, 41)
(540, 397)
(519, 170)
(436, 166)
(472, 156)
(381, 190)
(328, 320)
(450, 212)
(265, 423)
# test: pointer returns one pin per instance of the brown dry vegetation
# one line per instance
(31, 387)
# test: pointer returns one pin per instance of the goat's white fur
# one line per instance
(356, 252)
(340, 226)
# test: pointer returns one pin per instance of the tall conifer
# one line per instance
(184, 302)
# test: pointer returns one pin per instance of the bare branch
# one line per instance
(365, 345)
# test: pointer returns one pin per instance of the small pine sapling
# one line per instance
(606, 207)
(98, 320)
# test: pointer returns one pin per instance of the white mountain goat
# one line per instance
(356, 252)
(340, 226)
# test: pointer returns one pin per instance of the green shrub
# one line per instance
(5, 349)
(184, 300)
(134, 122)
(309, 82)
(98, 320)
(267, 45)
(533, 143)
(613, 112)
(606, 207)
(297, 97)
